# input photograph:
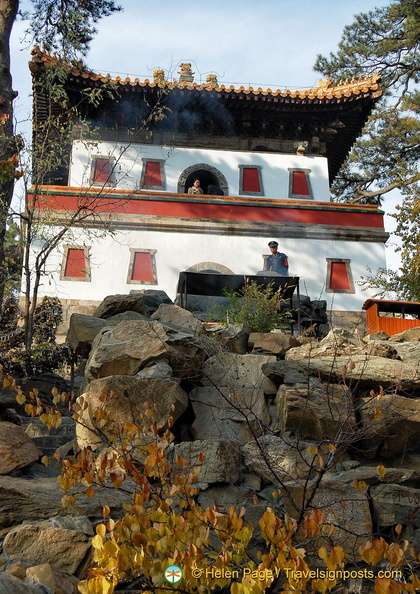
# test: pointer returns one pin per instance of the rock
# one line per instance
(177, 317)
(238, 372)
(287, 372)
(123, 398)
(16, 448)
(18, 569)
(275, 343)
(223, 415)
(49, 440)
(397, 428)
(370, 476)
(124, 350)
(252, 481)
(365, 371)
(337, 343)
(115, 304)
(409, 352)
(40, 543)
(221, 498)
(59, 582)
(410, 335)
(158, 369)
(276, 459)
(234, 337)
(343, 506)
(316, 411)
(396, 504)
(76, 523)
(152, 298)
(381, 335)
(8, 398)
(222, 462)
(380, 349)
(9, 584)
(28, 500)
(83, 329)
(44, 383)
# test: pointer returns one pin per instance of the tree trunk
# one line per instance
(8, 11)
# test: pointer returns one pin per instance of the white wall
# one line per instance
(177, 252)
(128, 158)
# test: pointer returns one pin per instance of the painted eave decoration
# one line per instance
(333, 115)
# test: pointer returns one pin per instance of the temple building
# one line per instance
(264, 160)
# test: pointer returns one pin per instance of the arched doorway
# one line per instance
(213, 267)
(207, 174)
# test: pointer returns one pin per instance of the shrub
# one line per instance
(259, 307)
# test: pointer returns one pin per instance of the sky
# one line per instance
(269, 43)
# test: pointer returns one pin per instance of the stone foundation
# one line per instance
(349, 320)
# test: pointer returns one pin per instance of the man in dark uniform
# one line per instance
(277, 262)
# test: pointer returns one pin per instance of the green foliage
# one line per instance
(404, 284)
(44, 355)
(12, 259)
(386, 41)
(259, 307)
(386, 157)
(68, 26)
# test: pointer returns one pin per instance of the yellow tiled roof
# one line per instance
(325, 89)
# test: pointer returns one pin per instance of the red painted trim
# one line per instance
(230, 208)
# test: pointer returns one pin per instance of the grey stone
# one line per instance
(395, 430)
(273, 343)
(238, 372)
(128, 347)
(16, 448)
(277, 459)
(410, 335)
(381, 335)
(316, 413)
(287, 372)
(77, 523)
(177, 317)
(23, 500)
(221, 462)
(115, 304)
(346, 508)
(223, 414)
(10, 584)
(152, 298)
(39, 543)
(123, 398)
(234, 337)
(368, 371)
(58, 582)
(396, 504)
(49, 440)
(158, 369)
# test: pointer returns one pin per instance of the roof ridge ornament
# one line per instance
(186, 73)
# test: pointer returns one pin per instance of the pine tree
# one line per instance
(386, 157)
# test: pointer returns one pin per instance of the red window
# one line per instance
(339, 277)
(153, 174)
(75, 264)
(251, 179)
(142, 267)
(102, 172)
(300, 185)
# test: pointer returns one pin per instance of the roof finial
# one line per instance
(211, 80)
(159, 76)
(187, 75)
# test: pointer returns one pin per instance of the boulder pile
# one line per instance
(279, 420)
